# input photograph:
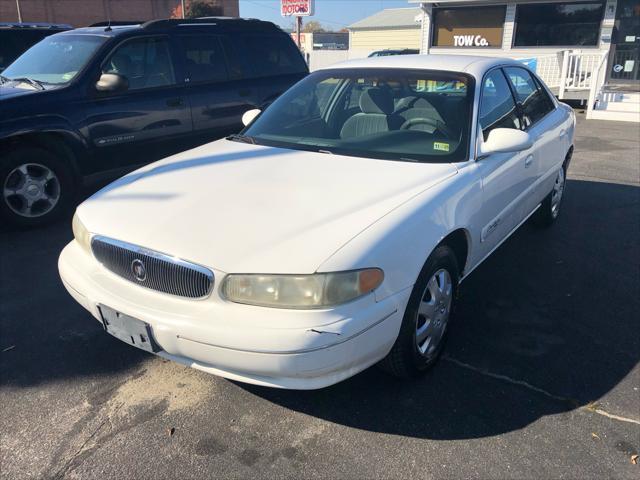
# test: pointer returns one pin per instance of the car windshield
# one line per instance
(394, 114)
(56, 59)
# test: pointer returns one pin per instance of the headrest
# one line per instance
(377, 100)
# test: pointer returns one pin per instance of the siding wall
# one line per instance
(385, 38)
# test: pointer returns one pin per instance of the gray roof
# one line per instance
(391, 17)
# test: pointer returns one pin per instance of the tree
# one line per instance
(202, 8)
(312, 26)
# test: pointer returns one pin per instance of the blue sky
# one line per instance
(334, 14)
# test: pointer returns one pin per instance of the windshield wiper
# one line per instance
(30, 81)
(236, 137)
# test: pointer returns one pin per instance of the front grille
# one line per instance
(152, 269)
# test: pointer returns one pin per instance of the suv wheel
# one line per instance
(36, 187)
(424, 325)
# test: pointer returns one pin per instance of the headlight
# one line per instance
(80, 233)
(319, 290)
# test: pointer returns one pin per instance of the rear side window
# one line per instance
(203, 58)
(497, 108)
(273, 55)
(535, 102)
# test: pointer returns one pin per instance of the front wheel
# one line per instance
(424, 325)
(37, 187)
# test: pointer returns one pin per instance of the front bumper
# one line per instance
(298, 349)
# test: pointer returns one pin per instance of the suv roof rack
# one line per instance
(220, 21)
(118, 23)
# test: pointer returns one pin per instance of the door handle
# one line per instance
(528, 161)
(245, 92)
(175, 102)
(562, 133)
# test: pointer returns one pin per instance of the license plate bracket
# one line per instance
(128, 329)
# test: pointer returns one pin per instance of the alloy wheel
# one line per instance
(31, 190)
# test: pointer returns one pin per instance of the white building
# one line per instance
(584, 49)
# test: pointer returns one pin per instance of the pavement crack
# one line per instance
(571, 401)
(63, 470)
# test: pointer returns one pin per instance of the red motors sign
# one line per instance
(296, 8)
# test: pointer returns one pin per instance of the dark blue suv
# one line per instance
(96, 102)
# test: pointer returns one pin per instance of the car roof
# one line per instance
(172, 25)
(474, 65)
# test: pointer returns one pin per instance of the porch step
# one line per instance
(617, 105)
(614, 115)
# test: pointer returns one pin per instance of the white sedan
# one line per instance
(333, 233)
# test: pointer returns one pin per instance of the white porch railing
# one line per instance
(599, 76)
(579, 71)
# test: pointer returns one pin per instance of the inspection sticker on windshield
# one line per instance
(444, 147)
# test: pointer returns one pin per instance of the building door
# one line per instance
(624, 58)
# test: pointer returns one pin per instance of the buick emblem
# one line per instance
(138, 269)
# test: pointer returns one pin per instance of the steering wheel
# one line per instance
(436, 124)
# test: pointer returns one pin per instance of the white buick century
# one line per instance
(333, 232)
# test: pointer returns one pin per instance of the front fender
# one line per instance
(401, 241)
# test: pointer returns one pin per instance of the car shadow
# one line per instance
(544, 326)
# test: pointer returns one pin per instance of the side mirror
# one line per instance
(505, 140)
(249, 116)
(112, 82)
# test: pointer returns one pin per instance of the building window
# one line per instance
(468, 27)
(558, 24)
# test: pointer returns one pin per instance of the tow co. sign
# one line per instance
(296, 8)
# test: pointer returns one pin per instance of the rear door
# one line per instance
(545, 124)
(148, 121)
(505, 176)
(272, 60)
(218, 92)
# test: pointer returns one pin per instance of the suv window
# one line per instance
(273, 55)
(497, 107)
(204, 59)
(535, 102)
(145, 62)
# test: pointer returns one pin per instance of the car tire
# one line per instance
(36, 187)
(423, 332)
(549, 210)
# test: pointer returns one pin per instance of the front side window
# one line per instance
(273, 55)
(144, 62)
(497, 108)
(204, 59)
(468, 27)
(395, 114)
(56, 59)
(558, 24)
(534, 101)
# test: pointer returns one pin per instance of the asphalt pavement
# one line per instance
(540, 378)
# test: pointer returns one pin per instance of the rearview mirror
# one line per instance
(505, 140)
(249, 116)
(112, 82)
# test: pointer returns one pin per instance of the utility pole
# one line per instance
(298, 29)
(19, 12)
(184, 9)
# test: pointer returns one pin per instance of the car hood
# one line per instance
(9, 92)
(244, 208)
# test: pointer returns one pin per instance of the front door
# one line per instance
(148, 121)
(624, 58)
(505, 176)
